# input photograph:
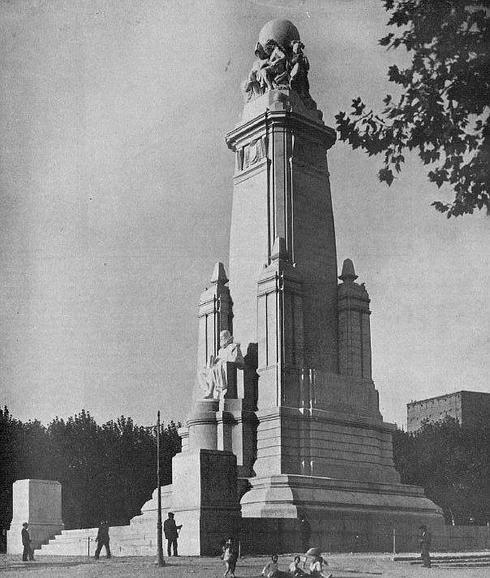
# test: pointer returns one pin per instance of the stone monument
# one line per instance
(287, 417)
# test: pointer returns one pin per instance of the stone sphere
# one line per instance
(282, 31)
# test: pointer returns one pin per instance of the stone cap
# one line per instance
(348, 272)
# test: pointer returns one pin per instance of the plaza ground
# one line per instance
(342, 566)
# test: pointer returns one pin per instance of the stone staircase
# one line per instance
(125, 541)
(136, 539)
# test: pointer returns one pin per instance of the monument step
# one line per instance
(124, 541)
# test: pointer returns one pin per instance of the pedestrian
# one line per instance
(305, 531)
(230, 557)
(295, 569)
(28, 553)
(425, 542)
(103, 540)
(316, 568)
(171, 531)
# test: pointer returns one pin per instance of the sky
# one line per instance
(115, 203)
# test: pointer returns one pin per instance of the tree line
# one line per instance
(452, 463)
(106, 471)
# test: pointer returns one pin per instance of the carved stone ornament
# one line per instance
(251, 154)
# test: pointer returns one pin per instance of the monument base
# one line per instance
(37, 502)
(344, 515)
(203, 497)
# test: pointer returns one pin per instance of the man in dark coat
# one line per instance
(425, 541)
(171, 531)
(102, 540)
(28, 553)
(305, 530)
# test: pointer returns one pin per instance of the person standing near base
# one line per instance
(230, 557)
(305, 531)
(171, 531)
(28, 553)
(425, 543)
(102, 540)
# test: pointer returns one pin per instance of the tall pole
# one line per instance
(159, 494)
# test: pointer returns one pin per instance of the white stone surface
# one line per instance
(37, 502)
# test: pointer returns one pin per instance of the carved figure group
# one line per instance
(213, 379)
(278, 66)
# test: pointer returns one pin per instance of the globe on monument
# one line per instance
(282, 31)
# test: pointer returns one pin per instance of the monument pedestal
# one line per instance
(204, 500)
(203, 497)
(37, 502)
(335, 468)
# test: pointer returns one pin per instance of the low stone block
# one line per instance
(37, 502)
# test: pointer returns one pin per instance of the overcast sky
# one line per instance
(115, 192)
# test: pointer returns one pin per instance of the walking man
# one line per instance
(28, 553)
(425, 540)
(171, 531)
(102, 540)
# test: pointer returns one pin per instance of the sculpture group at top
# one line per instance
(280, 63)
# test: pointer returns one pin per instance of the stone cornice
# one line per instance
(283, 119)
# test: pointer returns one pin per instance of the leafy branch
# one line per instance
(442, 113)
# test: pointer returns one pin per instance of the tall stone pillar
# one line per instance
(215, 315)
(354, 325)
(281, 189)
(280, 330)
(322, 446)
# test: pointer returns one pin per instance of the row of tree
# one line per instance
(452, 464)
(106, 471)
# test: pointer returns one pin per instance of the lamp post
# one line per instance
(161, 561)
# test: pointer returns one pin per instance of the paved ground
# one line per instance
(342, 566)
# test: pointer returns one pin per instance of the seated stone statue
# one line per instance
(213, 379)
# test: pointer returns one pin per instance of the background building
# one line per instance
(470, 408)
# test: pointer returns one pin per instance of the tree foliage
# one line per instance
(452, 464)
(442, 112)
(106, 471)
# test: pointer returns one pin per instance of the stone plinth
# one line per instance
(343, 514)
(204, 499)
(37, 502)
